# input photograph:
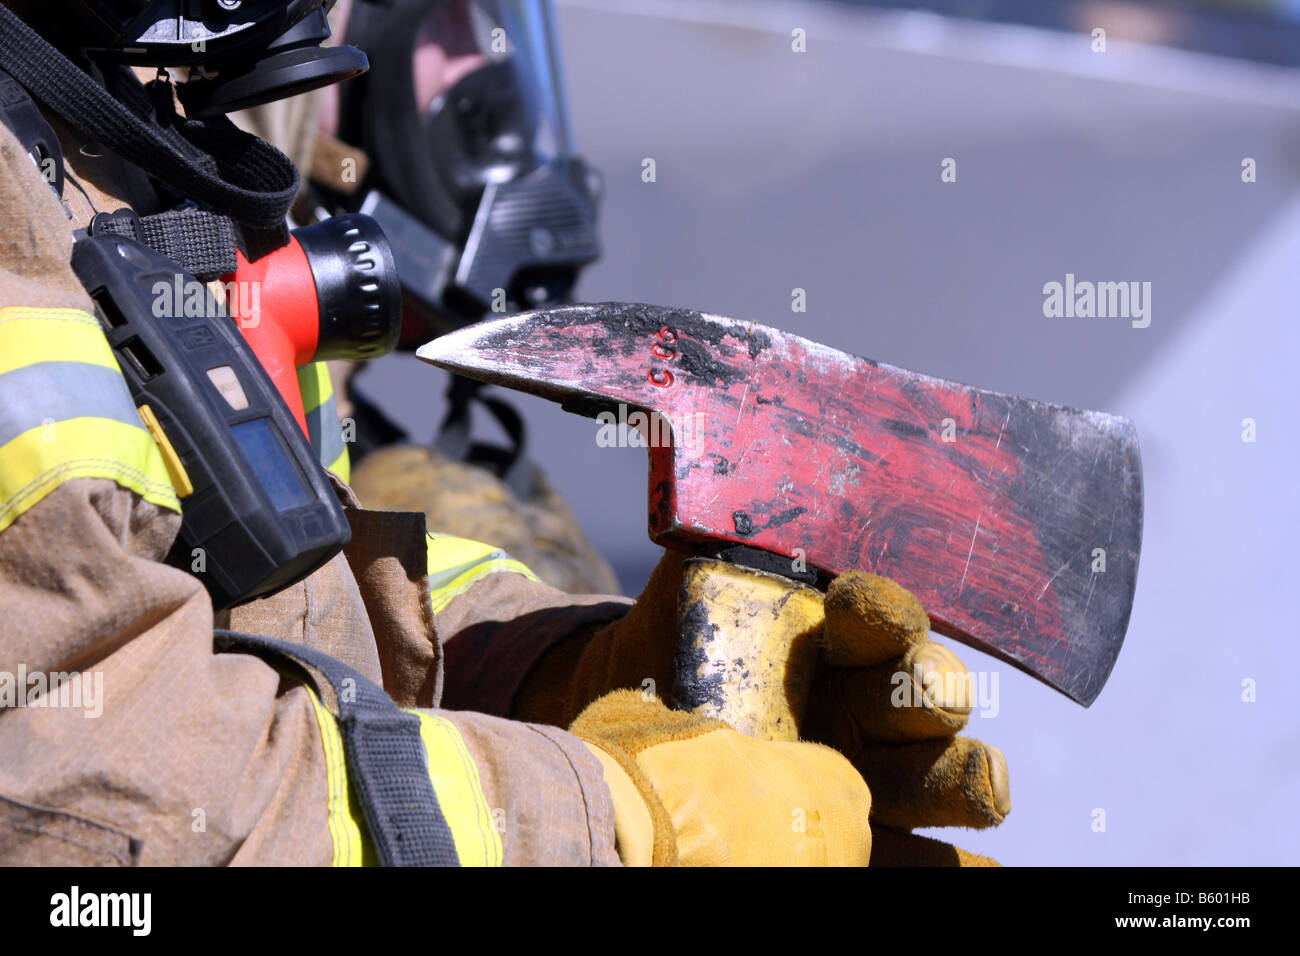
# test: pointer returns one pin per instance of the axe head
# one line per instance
(1016, 523)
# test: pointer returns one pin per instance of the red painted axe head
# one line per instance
(1016, 523)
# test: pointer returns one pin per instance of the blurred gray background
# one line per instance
(820, 170)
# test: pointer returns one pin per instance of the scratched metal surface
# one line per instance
(989, 507)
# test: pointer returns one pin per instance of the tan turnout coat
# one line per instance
(203, 758)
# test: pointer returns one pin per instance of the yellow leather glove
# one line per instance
(691, 791)
(877, 653)
(921, 774)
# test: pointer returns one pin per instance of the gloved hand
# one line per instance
(921, 774)
(877, 654)
(691, 791)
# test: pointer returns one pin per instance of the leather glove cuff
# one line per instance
(620, 725)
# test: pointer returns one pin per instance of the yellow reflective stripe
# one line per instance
(342, 466)
(325, 431)
(351, 848)
(36, 462)
(454, 564)
(448, 552)
(95, 439)
(315, 385)
(444, 596)
(455, 780)
(460, 792)
(51, 335)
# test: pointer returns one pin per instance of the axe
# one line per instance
(779, 462)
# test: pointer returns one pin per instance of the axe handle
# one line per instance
(747, 647)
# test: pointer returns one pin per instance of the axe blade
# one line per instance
(1016, 523)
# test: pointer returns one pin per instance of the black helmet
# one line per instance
(240, 53)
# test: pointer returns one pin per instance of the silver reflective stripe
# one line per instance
(47, 392)
(325, 431)
(445, 576)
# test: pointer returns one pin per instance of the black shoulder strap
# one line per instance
(387, 765)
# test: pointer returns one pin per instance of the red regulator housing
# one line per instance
(331, 293)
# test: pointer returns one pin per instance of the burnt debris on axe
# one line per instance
(1016, 523)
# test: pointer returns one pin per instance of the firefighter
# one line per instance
(404, 703)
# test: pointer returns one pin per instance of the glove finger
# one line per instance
(957, 782)
(892, 847)
(922, 695)
(870, 620)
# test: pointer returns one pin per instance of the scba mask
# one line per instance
(486, 205)
(240, 53)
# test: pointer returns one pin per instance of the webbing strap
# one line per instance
(510, 464)
(202, 243)
(209, 160)
(386, 758)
